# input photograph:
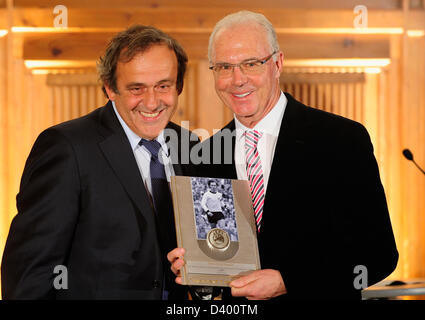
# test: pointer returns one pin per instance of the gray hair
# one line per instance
(244, 17)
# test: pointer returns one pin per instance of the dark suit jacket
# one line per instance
(325, 210)
(83, 204)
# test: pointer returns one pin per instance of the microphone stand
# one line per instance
(409, 156)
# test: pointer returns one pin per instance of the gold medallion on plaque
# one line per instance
(218, 239)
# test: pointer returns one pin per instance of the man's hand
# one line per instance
(176, 258)
(259, 285)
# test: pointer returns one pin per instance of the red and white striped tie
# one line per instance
(255, 173)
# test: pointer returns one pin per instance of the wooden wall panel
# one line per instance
(73, 101)
(4, 173)
(204, 19)
(412, 137)
(393, 178)
(371, 107)
(212, 114)
(186, 114)
(337, 92)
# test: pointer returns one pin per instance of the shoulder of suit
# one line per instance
(318, 125)
(327, 120)
(81, 129)
(86, 120)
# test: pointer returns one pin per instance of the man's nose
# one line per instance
(238, 76)
(150, 100)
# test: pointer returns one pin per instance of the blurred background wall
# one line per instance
(363, 62)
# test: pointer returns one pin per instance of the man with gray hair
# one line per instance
(319, 205)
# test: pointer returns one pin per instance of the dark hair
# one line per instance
(136, 39)
(211, 181)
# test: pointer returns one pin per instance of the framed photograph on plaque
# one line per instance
(215, 224)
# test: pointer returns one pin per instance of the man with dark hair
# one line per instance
(94, 198)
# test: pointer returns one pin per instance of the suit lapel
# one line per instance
(288, 133)
(289, 143)
(293, 129)
(118, 153)
(173, 139)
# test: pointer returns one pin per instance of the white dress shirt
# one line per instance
(143, 156)
(211, 201)
(270, 127)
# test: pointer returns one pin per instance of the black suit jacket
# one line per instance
(325, 210)
(82, 204)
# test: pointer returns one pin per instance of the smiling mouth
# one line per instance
(242, 95)
(150, 115)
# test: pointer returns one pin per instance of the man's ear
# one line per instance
(279, 61)
(111, 93)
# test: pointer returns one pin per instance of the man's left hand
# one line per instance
(259, 285)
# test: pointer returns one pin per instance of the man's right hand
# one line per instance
(176, 258)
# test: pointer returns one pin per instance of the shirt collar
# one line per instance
(270, 124)
(134, 139)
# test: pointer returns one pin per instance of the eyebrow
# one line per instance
(246, 60)
(166, 80)
(141, 84)
(134, 84)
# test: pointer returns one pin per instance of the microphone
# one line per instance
(409, 156)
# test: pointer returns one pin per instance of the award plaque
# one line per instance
(215, 224)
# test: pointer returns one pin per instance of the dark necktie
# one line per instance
(162, 203)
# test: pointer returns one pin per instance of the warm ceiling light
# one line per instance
(340, 30)
(43, 64)
(42, 71)
(59, 30)
(3, 33)
(415, 33)
(372, 70)
(35, 29)
(336, 62)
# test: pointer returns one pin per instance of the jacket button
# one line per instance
(156, 284)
